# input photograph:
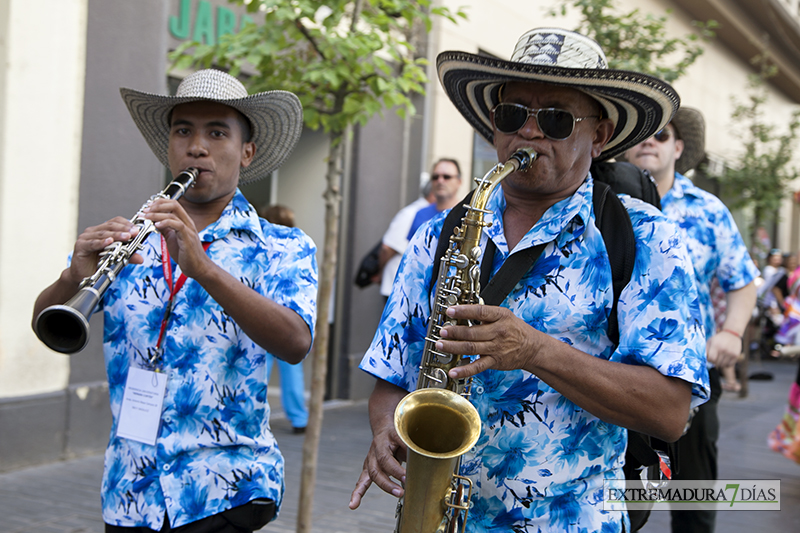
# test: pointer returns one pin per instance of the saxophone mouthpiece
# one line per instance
(524, 158)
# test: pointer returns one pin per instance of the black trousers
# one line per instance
(697, 453)
(243, 519)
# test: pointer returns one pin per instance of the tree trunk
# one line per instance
(319, 366)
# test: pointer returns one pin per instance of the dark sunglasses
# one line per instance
(663, 135)
(435, 177)
(555, 124)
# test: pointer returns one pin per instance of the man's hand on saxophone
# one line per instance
(622, 394)
(386, 453)
(504, 341)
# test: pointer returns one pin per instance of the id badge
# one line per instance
(140, 414)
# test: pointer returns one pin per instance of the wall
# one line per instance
(42, 90)
(89, 163)
(44, 49)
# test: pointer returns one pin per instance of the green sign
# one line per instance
(207, 28)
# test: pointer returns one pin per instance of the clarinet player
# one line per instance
(188, 322)
(553, 392)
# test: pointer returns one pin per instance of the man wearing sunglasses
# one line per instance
(554, 391)
(445, 182)
(717, 250)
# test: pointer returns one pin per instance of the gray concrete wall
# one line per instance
(126, 47)
(386, 167)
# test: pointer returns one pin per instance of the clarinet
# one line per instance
(65, 328)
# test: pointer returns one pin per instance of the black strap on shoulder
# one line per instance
(493, 290)
(625, 178)
(509, 274)
(615, 225)
(612, 221)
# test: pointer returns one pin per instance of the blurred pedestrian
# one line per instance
(395, 240)
(292, 377)
(445, 182)
(717, 249)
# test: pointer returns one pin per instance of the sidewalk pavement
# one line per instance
(64, 497)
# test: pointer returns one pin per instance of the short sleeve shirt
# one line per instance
(541, 460)
(714, 242)
(214, 449)
(396, 238)
(422, 216)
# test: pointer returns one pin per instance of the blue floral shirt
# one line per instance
(714, 242)
(540, 462)
(214, 449)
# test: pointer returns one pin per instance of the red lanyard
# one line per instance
(173, 289)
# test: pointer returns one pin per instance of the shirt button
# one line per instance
(166, 468)
(479, 389)
(167, 419)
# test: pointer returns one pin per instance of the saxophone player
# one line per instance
(188, 323)
(554, 393)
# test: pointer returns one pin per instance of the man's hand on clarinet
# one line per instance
(94, 240)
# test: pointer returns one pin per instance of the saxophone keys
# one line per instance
(475, 272)
(438, 378)
(461, 261)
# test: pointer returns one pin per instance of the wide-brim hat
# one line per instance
(639, 105)
(691, 128)
(276, 117)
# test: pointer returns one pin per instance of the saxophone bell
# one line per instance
(438, 426)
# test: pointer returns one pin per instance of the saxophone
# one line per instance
(65, 328)
(437, 422)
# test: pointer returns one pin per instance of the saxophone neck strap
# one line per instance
(612, 220)
(493, 290)
(510, 272)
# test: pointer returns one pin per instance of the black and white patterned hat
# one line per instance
(639, 105)
(276, 117)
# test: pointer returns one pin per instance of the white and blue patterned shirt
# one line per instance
(714, 242)
(214, 449)
(540, 462)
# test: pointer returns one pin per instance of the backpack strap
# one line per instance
(612, 221)
(615, 225)
(626, 178)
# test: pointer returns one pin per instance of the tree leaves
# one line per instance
(760, 177)
(637, 41)
(345, 59)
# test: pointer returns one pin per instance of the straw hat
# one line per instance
(276, 117)
(639, 105)
(691, 128)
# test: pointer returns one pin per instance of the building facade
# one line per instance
(72, 158)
